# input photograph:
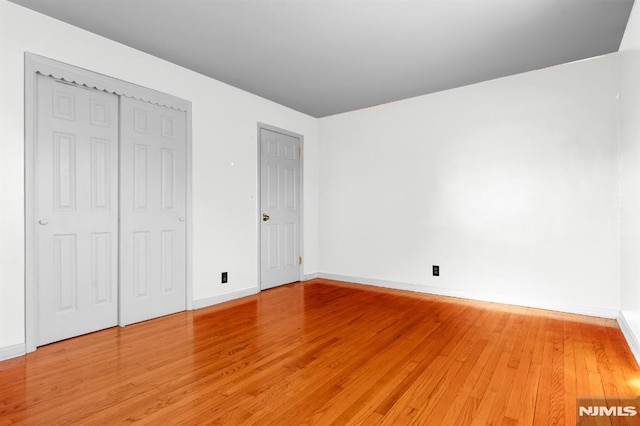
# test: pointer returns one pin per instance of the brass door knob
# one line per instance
(265, 217)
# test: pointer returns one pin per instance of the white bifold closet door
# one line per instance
(153, 207)
(76, 210)
(110, 186)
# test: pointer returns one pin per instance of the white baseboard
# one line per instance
(209, 301)
(308, 277)
(12, 351)
(630, 337)
(482, 296)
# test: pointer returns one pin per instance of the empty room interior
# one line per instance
(307, 212)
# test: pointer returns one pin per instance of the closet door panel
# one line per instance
(152, 211)
(76, 210)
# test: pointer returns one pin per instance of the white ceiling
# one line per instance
(323, 57)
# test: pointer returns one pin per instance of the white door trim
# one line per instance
(36, 64)
(259, 192)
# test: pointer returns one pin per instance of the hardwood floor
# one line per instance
(326, 353)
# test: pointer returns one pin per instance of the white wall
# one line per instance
(510, 186)
(630, 180)
(224, 131)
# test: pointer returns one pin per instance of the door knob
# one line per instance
(181, 219)
(265, 217)
(43, 222)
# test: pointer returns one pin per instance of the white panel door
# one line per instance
(76, 210)
(152, 211)
(280, 206)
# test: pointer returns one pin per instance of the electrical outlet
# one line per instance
(224, 278)
(436, 271)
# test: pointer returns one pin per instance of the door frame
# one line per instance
(36, 64)
(300, 137)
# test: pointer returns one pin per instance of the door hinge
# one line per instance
(299, 260)
(300, 152)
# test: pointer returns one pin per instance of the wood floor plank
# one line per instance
(517, 402)
(324, 352)
(461, 407)
(375, 372)
(570, 387)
